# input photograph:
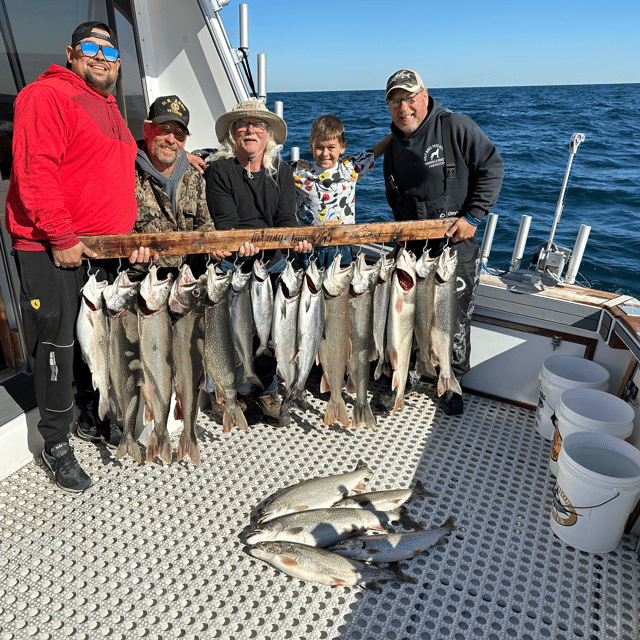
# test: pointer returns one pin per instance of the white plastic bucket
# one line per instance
(589, 410)
(597, 487)
(558, 374)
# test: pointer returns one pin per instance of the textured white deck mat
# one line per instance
(152, 551)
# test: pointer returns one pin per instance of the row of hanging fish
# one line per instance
(315, 531)
(158, 336)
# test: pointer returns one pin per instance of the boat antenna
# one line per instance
(244, 46)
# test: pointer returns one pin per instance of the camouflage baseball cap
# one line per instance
(404, 79)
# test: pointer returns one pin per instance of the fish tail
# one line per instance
(448, 383)
(240, 419)
(103, 406)
(394, 567)
(188, 446)
(362, 414)
(398, 405)
(159, 445)
(128, 446)
(336, 410)
(419, 490)
(253, 378)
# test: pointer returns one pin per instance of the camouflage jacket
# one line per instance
(155, 213)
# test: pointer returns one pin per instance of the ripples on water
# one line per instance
(531, 126)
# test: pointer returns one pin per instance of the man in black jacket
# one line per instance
(440, 164)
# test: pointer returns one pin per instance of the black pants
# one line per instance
(50, 300)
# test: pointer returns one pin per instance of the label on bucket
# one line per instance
(556, 446)
(563, 512)
(540, 409)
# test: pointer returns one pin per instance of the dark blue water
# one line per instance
(531, 126)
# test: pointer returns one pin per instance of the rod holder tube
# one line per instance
(262, 76)
(487, 238)
(577, 253)
(295, 154)
(278, 107)
(244, 26)
(521, 241)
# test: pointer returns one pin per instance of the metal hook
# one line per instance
(119, 269)
(207, 261)
(88, 267)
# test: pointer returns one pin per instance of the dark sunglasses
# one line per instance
(178, 133)
(91, 49)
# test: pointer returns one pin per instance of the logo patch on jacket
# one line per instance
(35, 304)
(434, 156)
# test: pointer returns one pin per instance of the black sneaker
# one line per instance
(67, 473)
(451, 403)
(107, 432)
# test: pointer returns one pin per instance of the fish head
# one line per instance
(272, 511)
(93, 292)
(263, 551)
(314, 277)
(263, 533)
(122, 294)
(260, 270)
(271, 551)
(290, 281)
(387, 265)
(240, 280)
(425, 265)
(348, 548)
(186, 293)
(364, 276)
(405, 273)
(155, 292)
(338, 280)
(447, 264)
(217, 285)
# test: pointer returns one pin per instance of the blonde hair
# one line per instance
(270, 155)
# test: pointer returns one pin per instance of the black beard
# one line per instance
(104, 86)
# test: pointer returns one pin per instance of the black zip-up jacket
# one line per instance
(417, 166)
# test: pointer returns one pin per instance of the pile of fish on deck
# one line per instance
(307, 531)
(161, 335)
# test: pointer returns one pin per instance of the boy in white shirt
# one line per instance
(326, 189)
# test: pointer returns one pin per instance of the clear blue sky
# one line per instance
(338, 45)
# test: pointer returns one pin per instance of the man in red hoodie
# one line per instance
(73, 174)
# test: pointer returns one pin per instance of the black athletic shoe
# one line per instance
(67, 473)
(107, 432)
(451, 403)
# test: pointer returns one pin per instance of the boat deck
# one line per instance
(153, 551)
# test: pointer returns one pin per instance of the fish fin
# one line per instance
(178, 412)
(128, 446)
(188, 446)
(448, 383)
(103, 406)
(450, 524)
(241, 421)
(336, 410)
(372, 586)
(337, 582)
(159, 446)
(441, 541)
(362, 414)
(351, 386)
(293, 531)
(324, 384)
(398, 405)
(394, 567)
(398, 304)
(425, 366)
(419, 490)
(378, 372)
(288, 562)
(363, 465)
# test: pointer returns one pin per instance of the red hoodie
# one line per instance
(73, 167)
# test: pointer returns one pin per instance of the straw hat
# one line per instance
(252, 109)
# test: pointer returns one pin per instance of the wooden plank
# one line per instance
(192, 242)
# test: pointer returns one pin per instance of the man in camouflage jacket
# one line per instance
(170, 192)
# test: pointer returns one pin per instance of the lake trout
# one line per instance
(381, 294)
(425, 296)
(323, 527)
(393, 547)
(384, 500)
(316, 493)
(186, 305)
(400, 321)
(219, 350)
(310, 331)
(322, 566)
(154, 329)
(93, 335)
(262, 304)
(364, 280)
(335, 347)
(445, 325)
(121, 304)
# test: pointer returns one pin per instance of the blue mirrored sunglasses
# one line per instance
(91, 49)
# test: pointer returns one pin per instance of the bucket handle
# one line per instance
(561, 508)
